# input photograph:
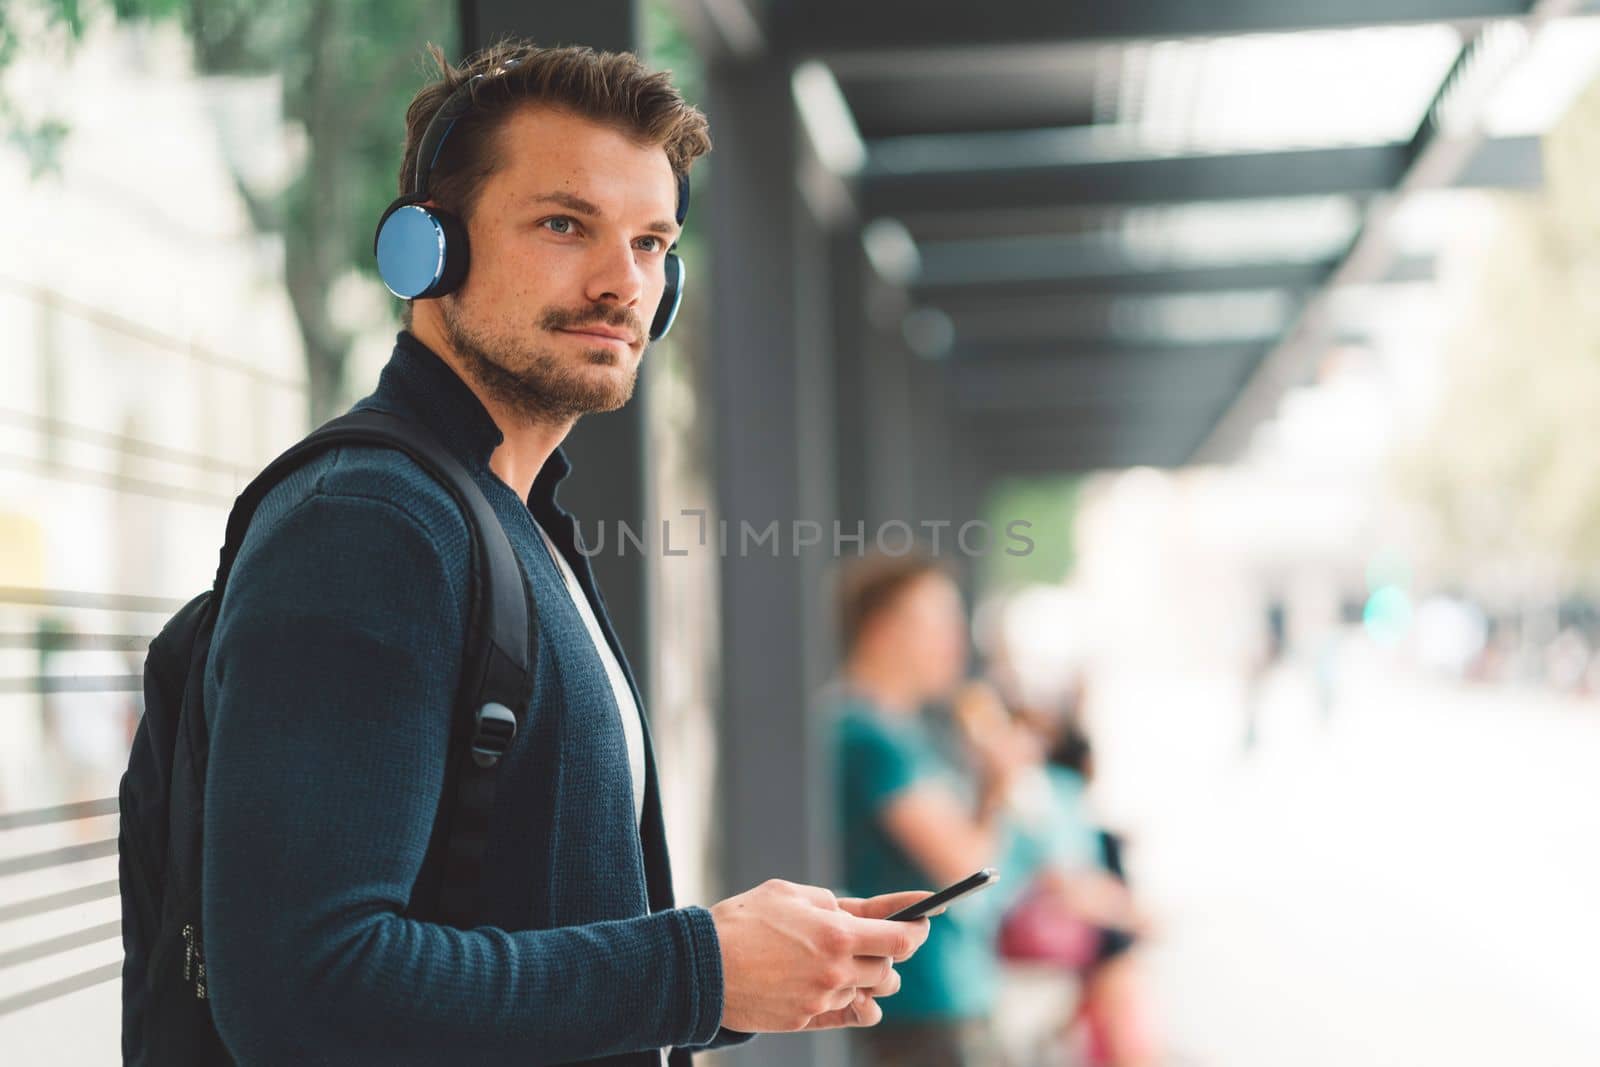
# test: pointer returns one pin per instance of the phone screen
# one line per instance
(950, 893)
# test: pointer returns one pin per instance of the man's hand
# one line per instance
(864, 1010)
(795, 957)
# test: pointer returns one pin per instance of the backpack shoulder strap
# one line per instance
(497, 674)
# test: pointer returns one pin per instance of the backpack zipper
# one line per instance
(194, 964)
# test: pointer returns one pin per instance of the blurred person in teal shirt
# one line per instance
(913, 814)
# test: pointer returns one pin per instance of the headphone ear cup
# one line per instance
(457, 254)
(421, 251)
(671, 298)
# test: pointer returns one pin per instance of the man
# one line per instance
(339, 646)
(910, 812)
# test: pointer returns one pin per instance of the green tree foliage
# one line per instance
(1045, 511)
(1505, 472)
(348, 68)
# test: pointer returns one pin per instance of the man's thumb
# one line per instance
(884, 906)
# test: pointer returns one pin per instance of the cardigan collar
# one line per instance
(418, 383)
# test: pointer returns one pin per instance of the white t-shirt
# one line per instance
(631, 727)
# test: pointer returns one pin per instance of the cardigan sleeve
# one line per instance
(332, 669)
(725, 1038)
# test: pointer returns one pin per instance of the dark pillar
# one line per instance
(609, 25)
(853, 404)
(934, 447)
(942, 472)
(610, 478)
(877, 450)
(773, 394)
(893, 455)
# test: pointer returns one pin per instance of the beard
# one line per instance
(540, 384)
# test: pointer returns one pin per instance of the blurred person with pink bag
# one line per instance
(1077, 912)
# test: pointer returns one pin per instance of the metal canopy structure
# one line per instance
(1116, 226)
(955, 243)
(891, 25)
(1356, 171)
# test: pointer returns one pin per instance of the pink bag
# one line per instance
(1039, 929)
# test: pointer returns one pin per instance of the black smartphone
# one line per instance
(950, 893)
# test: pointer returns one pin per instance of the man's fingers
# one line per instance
(871, 972)
(862, 1011)
(831, 1020)
(888, 987)
(841, 1000)
(880, 937)
(866, 1012)
(881, 907)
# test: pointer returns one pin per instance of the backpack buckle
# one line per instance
(493, 731)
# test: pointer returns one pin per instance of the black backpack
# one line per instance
(166, 1017)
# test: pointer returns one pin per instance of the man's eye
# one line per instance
(560, 224)
(654, 244)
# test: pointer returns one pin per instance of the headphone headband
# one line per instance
(444, 120)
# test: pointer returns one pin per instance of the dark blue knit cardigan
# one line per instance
(330, 688)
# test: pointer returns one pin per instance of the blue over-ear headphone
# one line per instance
(422, 251)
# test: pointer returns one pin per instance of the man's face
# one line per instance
(926, 632)
(568, 243)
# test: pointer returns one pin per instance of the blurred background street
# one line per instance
(1412, 883)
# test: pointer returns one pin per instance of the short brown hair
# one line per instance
(870, 585)
(612, 88)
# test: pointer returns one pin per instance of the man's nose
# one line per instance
(617, 277)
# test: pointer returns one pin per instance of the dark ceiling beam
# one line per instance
(1085, 224)
(1086, 459)
(1077, 453)
(1171, 434)
(839, 26)
(1504, 162)
(1017, 386)
(1159, 320)
(954, 293)
(1081, 430)
(954, 296)
(1095, 352)
(1175, 414)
